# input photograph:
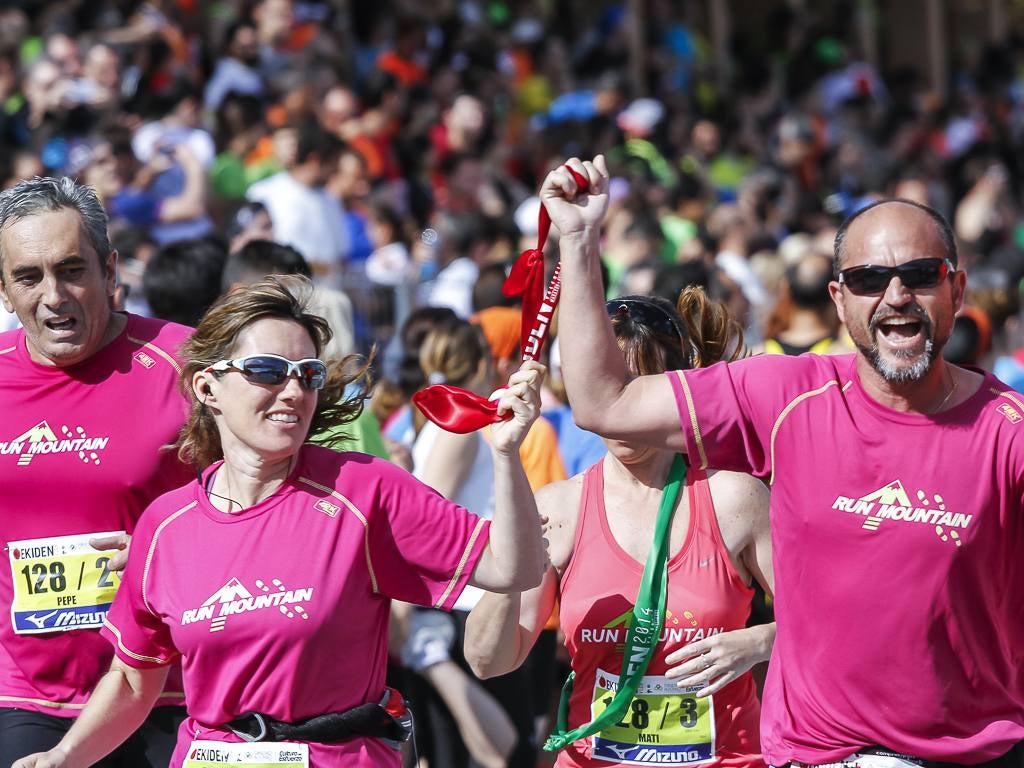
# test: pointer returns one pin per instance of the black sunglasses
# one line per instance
(645, 312)
(870, 280)
(274, 370)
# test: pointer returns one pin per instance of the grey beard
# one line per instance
(905, 375)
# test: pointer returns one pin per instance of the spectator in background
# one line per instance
(805, 318)
(132, 193)
(971, 338)
(183, 280)
(175, 130)
(237, 71)
(304, 215)
(466, 242)
(401, 421)
(100, 84)
(250, 222)
(350, 184)
(135, 248)
(259, 258)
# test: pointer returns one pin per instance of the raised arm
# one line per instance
(502, 629)
(643, 410)
(121, 701)
(514, 559)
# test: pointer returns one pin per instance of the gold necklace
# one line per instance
(948, 395)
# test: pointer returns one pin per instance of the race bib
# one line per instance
(664, 724)
(60, 583)
(219, 754)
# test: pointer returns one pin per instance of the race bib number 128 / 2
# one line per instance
(60, 583)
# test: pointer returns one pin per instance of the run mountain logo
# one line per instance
(42, 439)
(234, 598)
(893, 502)
(677, 629)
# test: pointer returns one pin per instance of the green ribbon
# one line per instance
(644, 627)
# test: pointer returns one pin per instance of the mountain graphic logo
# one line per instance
(230, 592)
(892, 494)
(40, 433)
(620, 621)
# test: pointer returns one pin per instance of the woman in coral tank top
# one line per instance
(696, 703)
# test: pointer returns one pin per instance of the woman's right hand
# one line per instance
(571, 212)
(522, 398)
(55, 758)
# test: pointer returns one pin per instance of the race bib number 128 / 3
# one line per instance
(60, 583)
(664, 724)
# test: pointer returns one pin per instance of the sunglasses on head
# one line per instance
(646, 313)
(274, 370)
(870, 280)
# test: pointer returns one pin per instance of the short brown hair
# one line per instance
(284, 296)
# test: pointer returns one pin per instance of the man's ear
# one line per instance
(111, 266)
(3, 295)
(959, 290)
(3, 289)
(835, 290)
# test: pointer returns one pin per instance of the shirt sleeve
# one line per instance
(423, 547)
(139, 636)
(727, 411)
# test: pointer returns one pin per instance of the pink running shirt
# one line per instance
(81, 452)
(705, 597)
(283, 608)
(897, 543)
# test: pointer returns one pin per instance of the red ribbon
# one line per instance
(460, 411)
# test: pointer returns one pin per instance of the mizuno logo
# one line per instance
(39, 621)
(619, 752)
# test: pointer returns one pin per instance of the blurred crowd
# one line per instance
(395, 149)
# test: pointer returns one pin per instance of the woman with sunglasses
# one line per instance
(696, 700)
(271, 575)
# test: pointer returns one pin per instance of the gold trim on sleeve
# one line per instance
(462, 563)
(41, 702)
(1011, 396)
(152, 550)
(789, 409)
(137, 656)
(693, 421)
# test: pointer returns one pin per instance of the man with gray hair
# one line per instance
(89, 400)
